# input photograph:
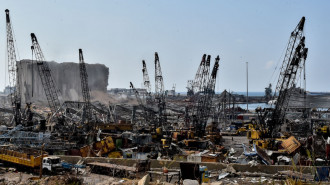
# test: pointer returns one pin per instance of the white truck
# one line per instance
(52, 164)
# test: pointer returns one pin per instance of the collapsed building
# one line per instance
(66, 77)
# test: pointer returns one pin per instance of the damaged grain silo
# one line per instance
(66, 77)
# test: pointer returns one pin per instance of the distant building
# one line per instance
(126, 91)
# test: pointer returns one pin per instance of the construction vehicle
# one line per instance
(323, 130)
(205, 174)
(166, 142)
(99, 148)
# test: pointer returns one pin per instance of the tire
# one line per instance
(45, 171)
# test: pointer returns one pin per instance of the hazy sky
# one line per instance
(121, 33)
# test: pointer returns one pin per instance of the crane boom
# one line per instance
(13, 72)
(159, 91)
(204, 104)
(205, 74)
(295, 54)
(294, 40)
(137, 95)
(199, 76)
(148, 113)
(45, 76)
(146, 82)
(84, 85)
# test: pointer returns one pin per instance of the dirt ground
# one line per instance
(19, 178)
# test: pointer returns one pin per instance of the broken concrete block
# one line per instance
(214, 183)
(217, 183)
(190, 182)
(229, 169)
(145, 180)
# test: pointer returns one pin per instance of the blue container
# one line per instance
(322, 174)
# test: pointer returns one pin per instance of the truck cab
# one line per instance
(51, 164)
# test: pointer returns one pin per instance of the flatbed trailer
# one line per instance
(112, 169)
(119, 170)
(28, 158)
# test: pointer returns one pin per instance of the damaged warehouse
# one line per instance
(61, 124)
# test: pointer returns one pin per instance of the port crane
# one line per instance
(205, 75)
(13, 72)
(204, 102)
(194, 84)
(85, 88)
(148, 113)
(197, 83)
(160, 92)
(295, 55)
(47, 80)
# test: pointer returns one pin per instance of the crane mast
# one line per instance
(148, 113)
(146, 82)
(204, 104)
(159, 92)
(205, 74)
(159, 88)
(137, 95)
(199, 76)
(296, 53)
(84, 86)
(13, 72)
(45, 76)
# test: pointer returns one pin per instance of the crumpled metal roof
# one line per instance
(291, 144)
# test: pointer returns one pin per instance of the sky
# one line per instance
(122, 33)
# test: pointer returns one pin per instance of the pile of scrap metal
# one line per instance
(18, 136)
(100, 148)
(289, 151)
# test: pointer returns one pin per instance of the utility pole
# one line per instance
(247, 86)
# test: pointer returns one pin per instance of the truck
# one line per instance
(27, 158)
(52, 164)
(30, 159)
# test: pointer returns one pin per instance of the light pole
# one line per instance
(247, 87)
